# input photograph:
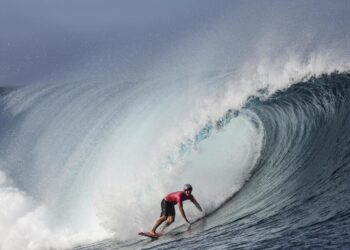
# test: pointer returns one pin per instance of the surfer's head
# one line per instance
(187, 189)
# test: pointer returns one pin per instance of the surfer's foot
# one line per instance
(153, 233)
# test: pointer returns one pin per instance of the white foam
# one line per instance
(25, 224)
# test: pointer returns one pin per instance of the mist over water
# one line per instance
(96, 137)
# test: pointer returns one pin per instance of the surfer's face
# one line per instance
(188, 192)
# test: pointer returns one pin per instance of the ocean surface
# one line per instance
(272, 174)
(105, 109)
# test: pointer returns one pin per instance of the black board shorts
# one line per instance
(168, 208)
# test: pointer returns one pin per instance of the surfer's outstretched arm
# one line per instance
(196, 204)
(183, 213)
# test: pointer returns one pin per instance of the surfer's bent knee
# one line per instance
(170, 220)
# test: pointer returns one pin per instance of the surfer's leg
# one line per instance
(169, 220)
(162, 218)
(157, 224)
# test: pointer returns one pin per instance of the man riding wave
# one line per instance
(168, 207)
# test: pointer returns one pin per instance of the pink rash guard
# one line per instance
(177, 197)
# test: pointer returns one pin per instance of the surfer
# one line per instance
(168, 207)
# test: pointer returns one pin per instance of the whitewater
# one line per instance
(259, 125)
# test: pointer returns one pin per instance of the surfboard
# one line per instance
(148, 235)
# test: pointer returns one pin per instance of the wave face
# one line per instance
(75, 165)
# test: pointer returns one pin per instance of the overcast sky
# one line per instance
(40, 38)
(44, 40)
